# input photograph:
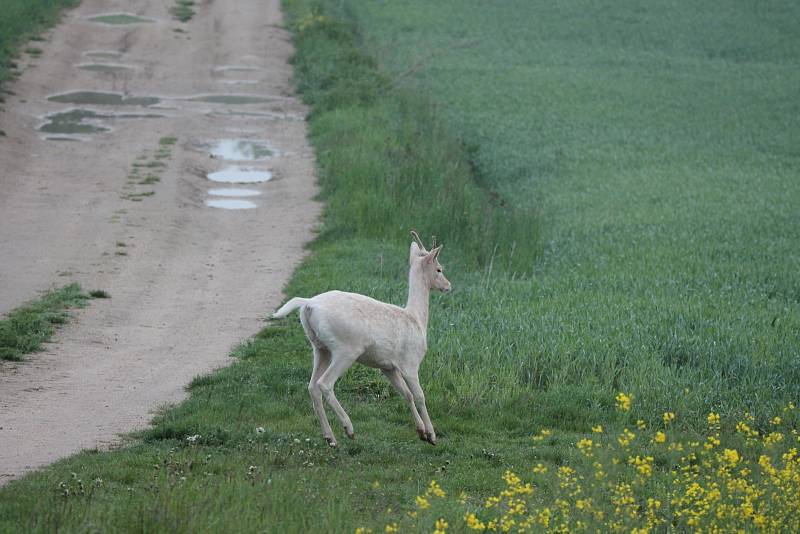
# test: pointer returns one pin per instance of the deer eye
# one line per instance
(438, 270)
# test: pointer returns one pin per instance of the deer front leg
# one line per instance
(412, 380)
(397, 381)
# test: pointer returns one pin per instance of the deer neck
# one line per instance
(418, 295)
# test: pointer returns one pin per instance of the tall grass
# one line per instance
(22, 19)
(395, 166)
(25, 328)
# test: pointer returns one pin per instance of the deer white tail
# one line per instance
(289, 307)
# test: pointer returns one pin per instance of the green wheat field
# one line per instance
(617, 185)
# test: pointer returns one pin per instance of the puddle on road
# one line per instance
(72, 122)
(241, 150)
(235, 68)
(84, 121)
(104, 55)
(119, 18)
(230, 204)
(233, 192)
(236, 175)
(232, 99)
(104, 67)
(103, 99)
(240, 82)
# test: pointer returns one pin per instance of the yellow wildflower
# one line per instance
(441, 526)
(542, 434)
(731, 456)
(585, 446)
(626, 438)
(644, 466)
(624, 401)
(713, 420)
(473, 522)
(543, 517)
(435, 490)
(423, 502)
(660, 437)
(597, 429)
(668, 417)
(392, 528)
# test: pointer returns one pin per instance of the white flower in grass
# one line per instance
(192, 439)
(259, 430)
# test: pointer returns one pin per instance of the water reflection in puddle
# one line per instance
(233, 192)
(239, 82)
(73, 122)
(230, 204)
(119, 18)
(241, 150)
(104, 67)
(103, 99)
(235, 68)
(236, 175)
(85, 121)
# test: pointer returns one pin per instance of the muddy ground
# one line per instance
(94, 191)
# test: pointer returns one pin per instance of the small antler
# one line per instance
(415, 235)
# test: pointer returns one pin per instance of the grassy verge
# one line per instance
(21, 20)
(183, 10)
(27, 327)
(620, 285)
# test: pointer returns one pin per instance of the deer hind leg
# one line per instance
(322, 360)
(397, 381)
(340, 362)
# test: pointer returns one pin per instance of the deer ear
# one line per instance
(418, 242)
(433, 254)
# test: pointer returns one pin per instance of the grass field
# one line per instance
(616, 187)
(24, 329)
(21, 20)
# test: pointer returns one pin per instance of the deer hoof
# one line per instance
(331, 442)
(350, 433)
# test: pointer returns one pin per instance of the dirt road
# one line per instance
(95, 189)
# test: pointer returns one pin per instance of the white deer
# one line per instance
(347, 327)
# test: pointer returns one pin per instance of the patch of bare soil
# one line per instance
(95, 197)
